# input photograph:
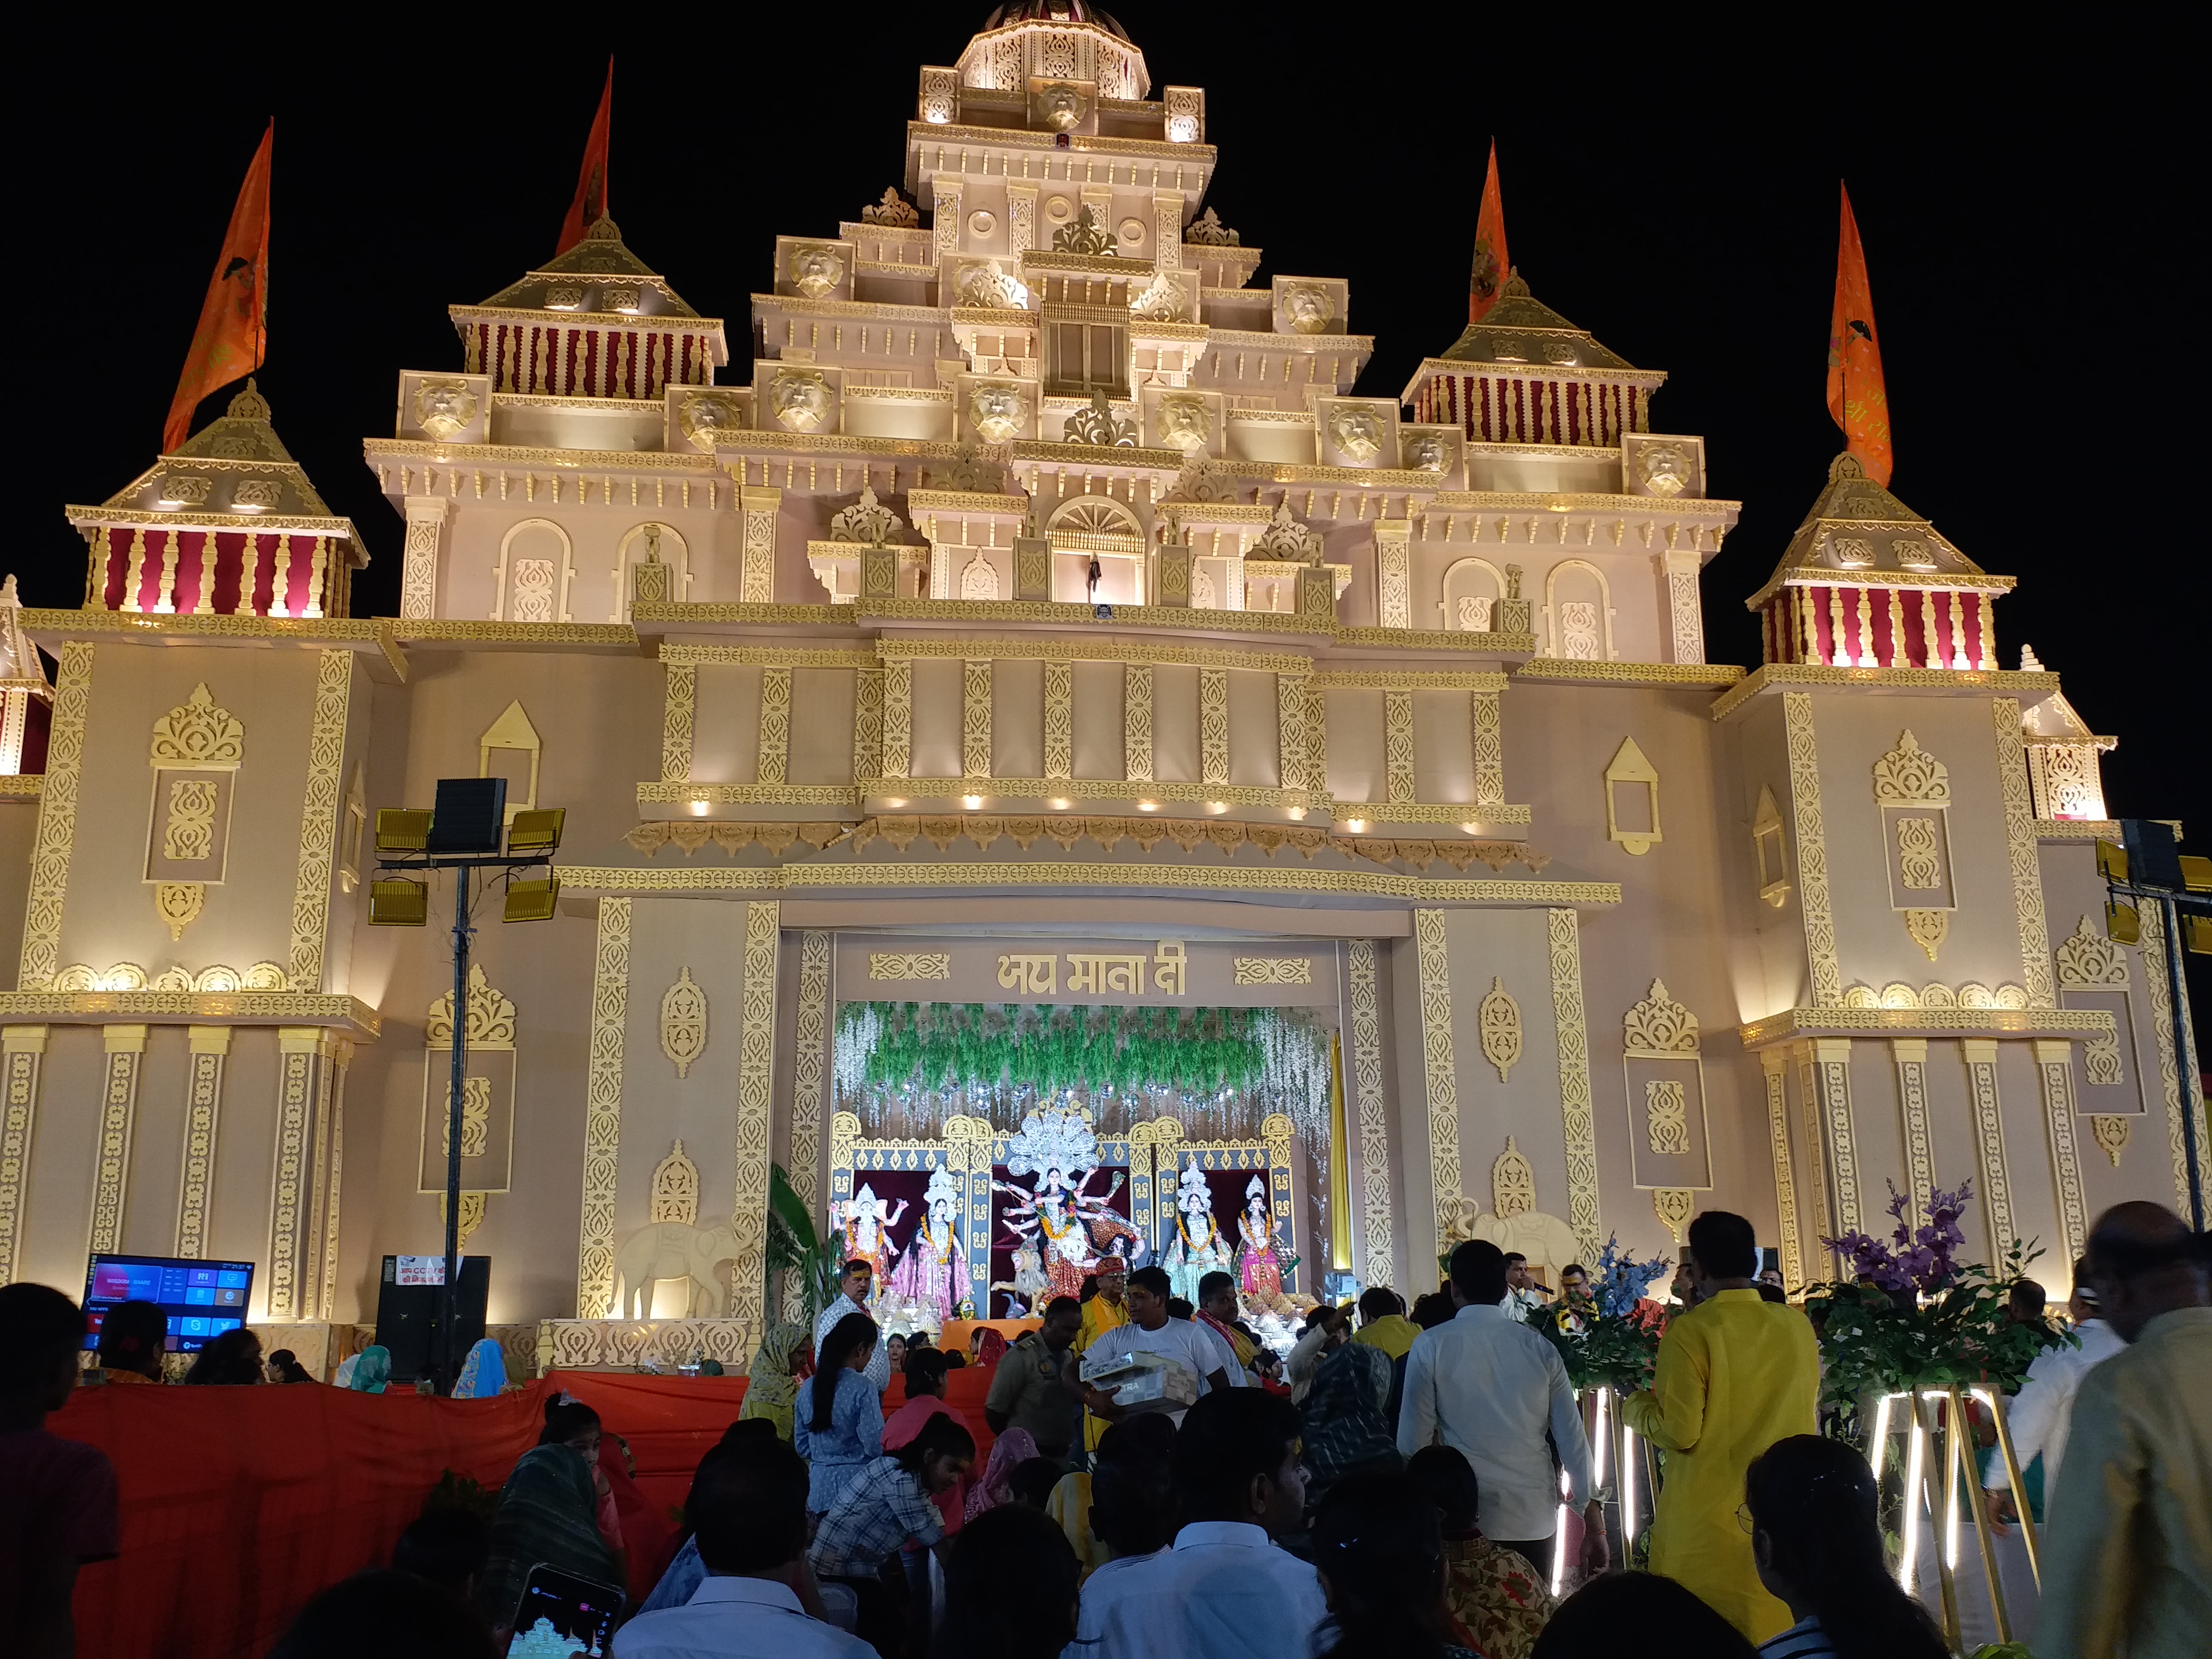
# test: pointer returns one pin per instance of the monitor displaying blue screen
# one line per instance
(203, 1299)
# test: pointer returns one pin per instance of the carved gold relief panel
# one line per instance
(1912, 790)
(1669, 1144)
(197, 749)
(487, 1090)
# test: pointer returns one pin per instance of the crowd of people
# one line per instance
(1418, 1486)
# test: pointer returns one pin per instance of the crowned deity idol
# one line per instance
(1199, 1248)
(1258, 1260)
(933, 1274)
(866, 1221)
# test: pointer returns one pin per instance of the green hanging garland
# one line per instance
(938, 1046)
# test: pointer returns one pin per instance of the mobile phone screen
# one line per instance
(561, 1614)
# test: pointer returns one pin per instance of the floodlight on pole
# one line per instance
(468, 830)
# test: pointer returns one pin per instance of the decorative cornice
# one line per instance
(603, 322)
(1629, 673)
(492, 456)
(1961, 682)
(192, 1008)
(1431, 367)
(1450, 811)
(768, 656)
(1792, 1023)
(27, 786)
(266, 524)
(1052, 649)
(1349, 883)
(1455, 641)
(1702, 508)
(1128, 616)
(756, 794)
(1408, 679)
(2079, 829)
(670, 613)
(1816, 575)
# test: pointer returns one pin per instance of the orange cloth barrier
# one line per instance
(240, 1503)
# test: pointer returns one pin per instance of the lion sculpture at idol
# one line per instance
(673, 1250)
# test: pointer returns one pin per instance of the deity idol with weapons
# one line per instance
(1198, 1248)
(933, 1274)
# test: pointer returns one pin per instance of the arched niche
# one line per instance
(536, 563)
(1471, 589)
(1578, 613)
(650, 543)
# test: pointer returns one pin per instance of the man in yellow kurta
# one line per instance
(1736, 1374)
(1102, 1312)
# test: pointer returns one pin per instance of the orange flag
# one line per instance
(591, 182)
(233, 337)
(1855, 397)
(1491, 265)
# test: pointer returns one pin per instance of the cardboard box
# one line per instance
(1141, 1381)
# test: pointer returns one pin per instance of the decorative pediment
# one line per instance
(1095, 425)
(2086, 958)
(1287, 541)
(1083, 234)
(676, 1189)
(867, 521)
(490, 1020)
(198, 733)
(683, 1023)
(1660, 1025)
(1512, 1182)
(1909, 775)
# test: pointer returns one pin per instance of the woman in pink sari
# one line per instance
(1008, 1453)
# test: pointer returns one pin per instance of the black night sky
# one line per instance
(1670, 183)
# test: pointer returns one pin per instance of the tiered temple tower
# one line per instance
(1044, 618)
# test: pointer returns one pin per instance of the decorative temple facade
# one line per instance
(1048, 765)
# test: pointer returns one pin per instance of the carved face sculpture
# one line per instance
(1424, 453)
(1666, 469)
(1059, 107)
(800, 400)
(816, 269)
(997, 412)
(1306, 310)
(702, 415)
(1356, 432)
(443, 408)
(1184, 423)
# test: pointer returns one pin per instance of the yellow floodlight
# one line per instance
(531, 901)
(2197, 935)
(2196, 873)
(2122, 924)
(2111, 862)
(399, 903)
(537, 830)
(402, 829)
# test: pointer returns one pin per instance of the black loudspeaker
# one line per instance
(471, 816)
(407, 1309)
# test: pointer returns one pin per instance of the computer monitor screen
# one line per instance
(203, 1299)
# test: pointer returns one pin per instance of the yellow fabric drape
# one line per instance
(1735, 1375)
(1099, 1316)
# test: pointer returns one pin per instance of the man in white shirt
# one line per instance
(1224, 1590)
(2040, 1414)
(1150, 1330)
(748, 1505)
(855, 1282)
(1524, 1297)
(1491, 1388)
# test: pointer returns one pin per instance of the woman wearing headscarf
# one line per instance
(367, 1372)
(484, 1373)
(233, 1357)
(549, 1511)
(1008, 1453)
(1345, 1430)
(647, 1535)
(990, 1347)
(772, 1384)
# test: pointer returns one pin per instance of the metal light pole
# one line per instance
(442, 1358)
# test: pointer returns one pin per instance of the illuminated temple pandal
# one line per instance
(1396, 732)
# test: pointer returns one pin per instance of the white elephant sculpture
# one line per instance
(672, 1250)
(1548, 1242)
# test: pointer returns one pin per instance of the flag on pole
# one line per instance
(1491, 265)
(1856, 396)
(592, 181)
(233, 336)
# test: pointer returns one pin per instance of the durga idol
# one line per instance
(1259, 1261)
(1199, 1248)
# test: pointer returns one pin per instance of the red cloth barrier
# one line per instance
(240, 1503)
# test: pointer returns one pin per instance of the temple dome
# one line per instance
(1522, 328)
(1052, 11)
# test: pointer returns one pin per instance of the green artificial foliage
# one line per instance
(794, 1246)
(940, 1046)
(462, 1491)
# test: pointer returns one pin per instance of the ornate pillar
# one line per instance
(1686, 618)
(898, 718)
(1578, 1124)
(57, 836)
(1291, 732)
(303, 1091)
(1489, 750)
(810, 1080)
(602, 1100)
(1167, 230)
(1910, 1054)
(756, 1077)
(319, 820)
(759, 507)
(1774, 1064)
(1832, 1071)
(334, 1172)
(976, 720)
(1399, 785)
(1375, 1223)
(2035, 960)
(119, 1108)
(945, 221)
(1436, 1061)
(210, 1046)
(22, 1048)
(418, 574)
(1021, 218)
(1137, 721)
(1828, 982)
(774, 750)
(1980, 1055)
(679, 701)
(1394, 570)
(1213, 724)
(2054, 1064)
(1808, 1104)
(1058, 720)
